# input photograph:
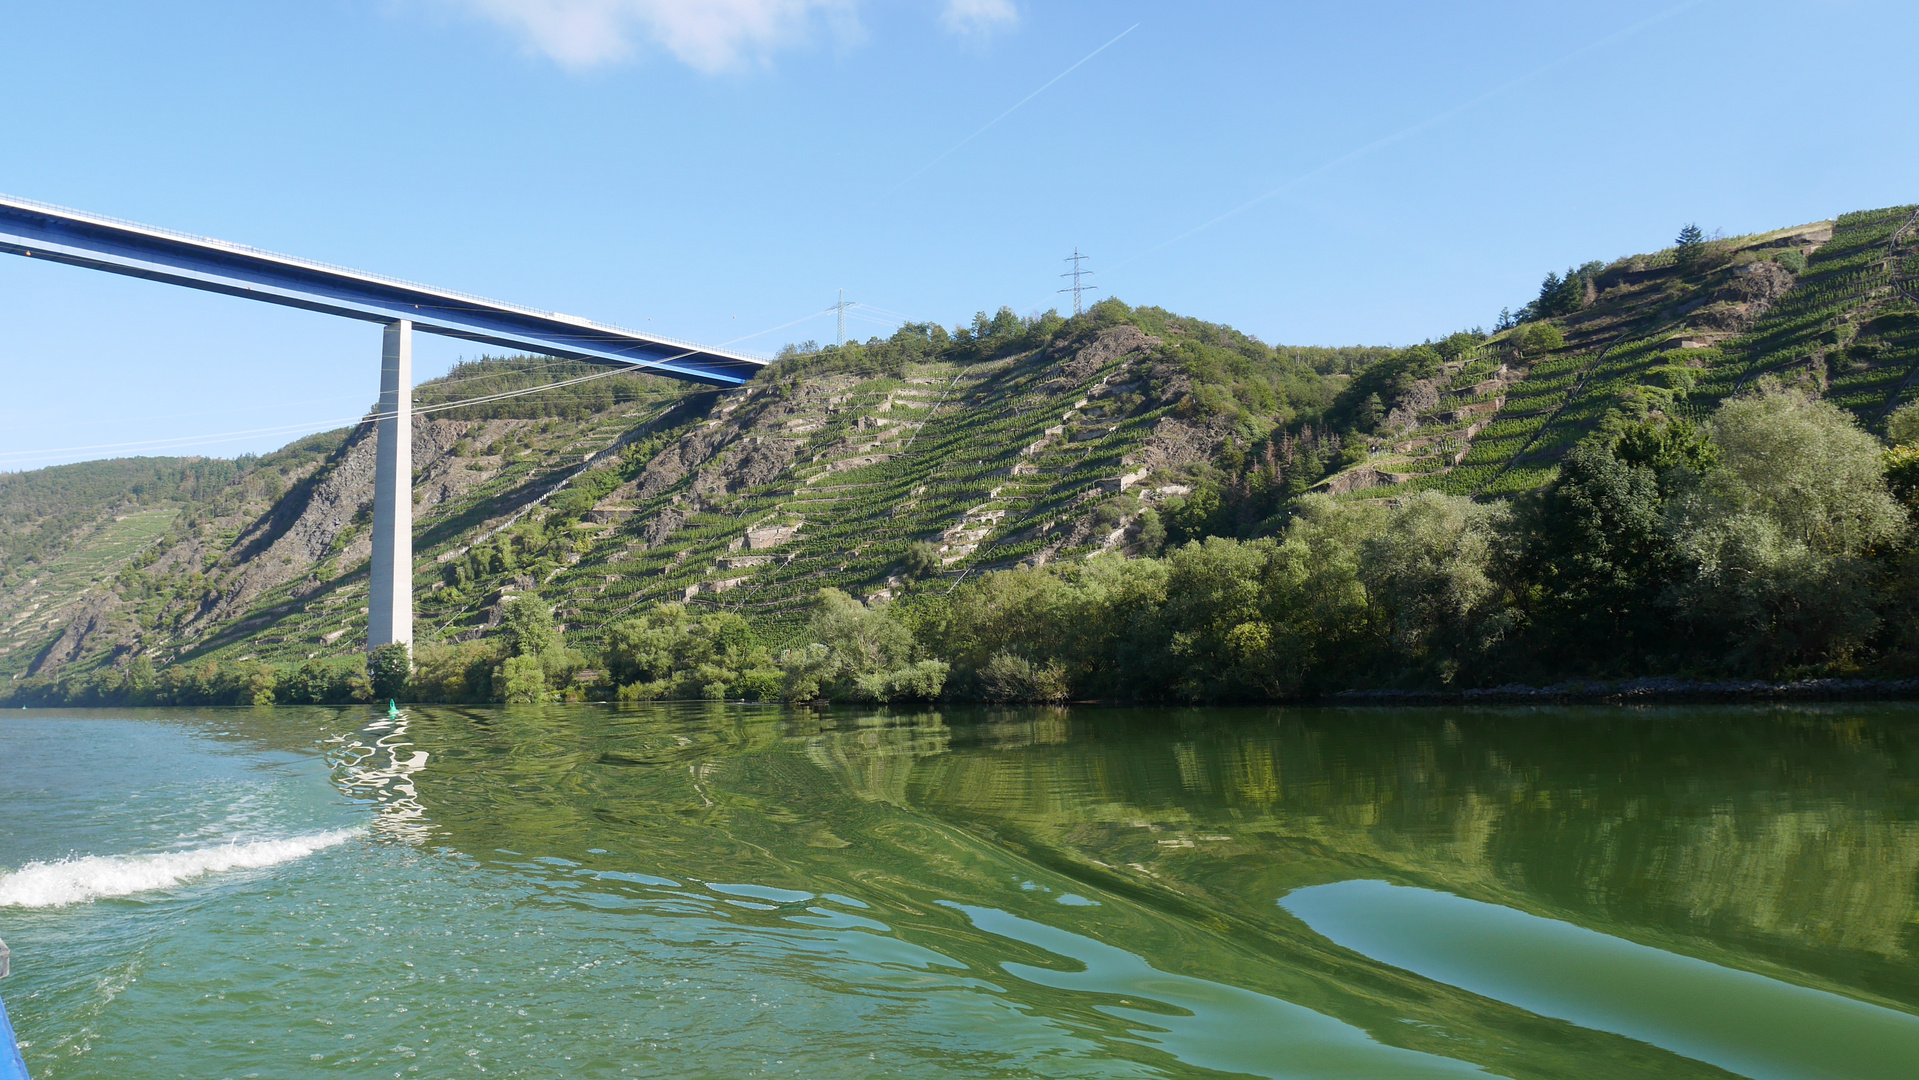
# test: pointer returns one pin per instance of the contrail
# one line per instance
(1414, 129)
(1009, 112)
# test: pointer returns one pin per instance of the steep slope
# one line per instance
(1832, 306)
(1013, 442)
(906, 466)
(66, 528)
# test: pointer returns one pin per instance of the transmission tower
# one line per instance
(1076, 273)
(841, 308)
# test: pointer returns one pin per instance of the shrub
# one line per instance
(1011, 677)
(521, 680)
(1537, 339)
(387, 670)
(858, 653)
(922, 558)
(1902, 427)
(461, 672)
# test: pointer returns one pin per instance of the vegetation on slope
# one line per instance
(1124, 504)
(43, 512)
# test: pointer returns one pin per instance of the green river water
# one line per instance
(735, 891)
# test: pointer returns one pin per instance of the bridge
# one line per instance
(41, 231)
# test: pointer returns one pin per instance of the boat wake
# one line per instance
(94, 877)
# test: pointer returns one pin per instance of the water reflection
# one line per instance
(1206, 1023)
(1776, 840)
(1094, 892)
(1743, 1022)
(1776, 835)
(380, 763)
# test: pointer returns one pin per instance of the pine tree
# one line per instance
(1691, 243)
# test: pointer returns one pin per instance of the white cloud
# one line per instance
(710, 35)
(979, 17)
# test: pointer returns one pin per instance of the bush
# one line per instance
(1011, 677)
(1902, 475)
(1902, 427)
(668, 653)
(521, 680)
(387, 670)
(1152, 533)
(858, 653)
(1538, 339)
(922, 558)
(453, 673)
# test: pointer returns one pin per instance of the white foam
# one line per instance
(92, 877)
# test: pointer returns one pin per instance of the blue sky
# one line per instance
(1311, 173)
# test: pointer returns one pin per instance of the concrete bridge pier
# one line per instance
(390, 611)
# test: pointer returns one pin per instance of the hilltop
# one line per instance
(900, 470)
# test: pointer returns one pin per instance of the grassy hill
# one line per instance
(1011, 441)
(903, 468)
(1832, 306)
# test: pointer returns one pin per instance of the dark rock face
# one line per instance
(661, 526)
(92, 625)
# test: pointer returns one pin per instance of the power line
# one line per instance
(1076, 273)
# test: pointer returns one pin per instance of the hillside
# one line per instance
(903, 469)
(1829, 306)
(1009, 442)
(66, 528)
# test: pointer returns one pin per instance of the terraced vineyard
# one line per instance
(42, 606)
(1659, 335)
(990, 462)
(937, 457)
(749, 502)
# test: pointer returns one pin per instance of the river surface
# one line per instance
(735, 891)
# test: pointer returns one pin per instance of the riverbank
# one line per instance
(1635, 691)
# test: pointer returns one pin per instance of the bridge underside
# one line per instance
(66, 236)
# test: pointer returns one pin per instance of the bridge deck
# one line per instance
(41, 231)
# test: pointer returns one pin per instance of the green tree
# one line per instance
(1807, 464)
(1152, 532)
(1068, 624)
(1594, 558)
(140, 681)
(528, 630)
(1902, 474)
(922, 558)
(454, 672)
(527, 623)
(388, 668)
(1009, 677)
(1430, 582)
(1195, 516)
(1670, 447)
(1902, 427)
(1537, 339)
(1779, 546)
(858, 653)
(521, 680)
(669, 653)
(1690, 246)
(1214, 638)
